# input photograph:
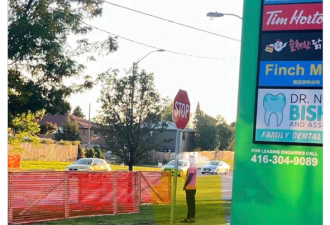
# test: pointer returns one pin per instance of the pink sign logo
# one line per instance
(293, 17)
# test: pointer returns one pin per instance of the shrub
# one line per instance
(81, 152)
(90, 153)
(99, 153)
(76, 143)
(61, 142)
(67, 143)
(48, 141)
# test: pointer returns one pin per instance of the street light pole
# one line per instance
(133, 87)
(216, 14)
(133, 77)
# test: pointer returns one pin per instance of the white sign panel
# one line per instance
(289, 115)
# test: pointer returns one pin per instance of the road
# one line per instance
(227, 183)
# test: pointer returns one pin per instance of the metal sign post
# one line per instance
(175, 178)
(181, 116)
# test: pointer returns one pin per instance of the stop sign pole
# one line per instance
(181, 116)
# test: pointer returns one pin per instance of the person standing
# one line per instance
(190, 188)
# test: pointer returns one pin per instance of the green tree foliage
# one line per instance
(167, 110)
(48, 128)
(226, 133)
(233, 137)
(78, 112)
(39, 56)
(120, 96)
(90, 153)
(69, 131)
(98, 153)
(81, 152)
(24, 128)
(206, 136)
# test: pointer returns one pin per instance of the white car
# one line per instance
(215, 167)
(183, 166)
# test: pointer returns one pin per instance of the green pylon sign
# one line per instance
(278, 175)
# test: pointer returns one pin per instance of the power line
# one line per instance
(150, 46)
(170, 21)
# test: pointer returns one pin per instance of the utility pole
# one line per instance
(89, 124)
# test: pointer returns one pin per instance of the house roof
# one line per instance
(172, 126)
(60, 119)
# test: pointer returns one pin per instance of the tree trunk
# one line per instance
(130, 167)
(131, 160)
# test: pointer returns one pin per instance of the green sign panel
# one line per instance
(278, 175)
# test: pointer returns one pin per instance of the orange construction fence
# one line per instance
(14, 161)
(156, 187)
(51, 195)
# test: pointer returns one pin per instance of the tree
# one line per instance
(48, 128)
(233, 137)
(232, 141)
(68, 132)
(90, 153)
(78, 112)
(24, 128)
(131, 108)
(81, 152)
(225, 133)
(39, 56)
(198, 109)
(206, 136)
(98, 153)
(167, 110)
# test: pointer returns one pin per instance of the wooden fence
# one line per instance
(49, 152)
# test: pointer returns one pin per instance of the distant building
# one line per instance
(188, 141)
(97, 137)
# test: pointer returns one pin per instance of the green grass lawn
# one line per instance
(210, 209)
(60, 166)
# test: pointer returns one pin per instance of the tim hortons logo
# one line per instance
(298, 18)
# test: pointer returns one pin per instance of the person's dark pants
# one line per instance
(190, 197)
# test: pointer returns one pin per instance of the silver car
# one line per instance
(89, 164)
(215, 167)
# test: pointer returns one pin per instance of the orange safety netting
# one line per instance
(156, 187)
(14, 161)
(49, 195)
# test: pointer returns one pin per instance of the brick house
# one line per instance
(97, 137)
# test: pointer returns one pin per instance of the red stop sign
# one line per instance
(181, 109)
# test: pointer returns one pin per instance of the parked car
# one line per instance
(108, 154)
(215, 167)
(89, 164)
(183, 166)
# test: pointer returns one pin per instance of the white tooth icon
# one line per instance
(274, 104)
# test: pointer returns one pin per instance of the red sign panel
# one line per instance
(293, 17)
(181, 110)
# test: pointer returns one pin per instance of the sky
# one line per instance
(213, 83)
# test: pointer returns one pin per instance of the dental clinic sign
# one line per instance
(289, 107)
(289, 115)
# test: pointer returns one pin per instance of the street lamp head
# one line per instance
(160, 50)
(214, 14)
